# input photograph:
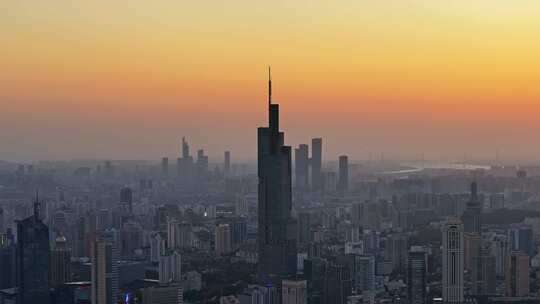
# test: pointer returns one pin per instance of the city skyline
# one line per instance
(127, 81)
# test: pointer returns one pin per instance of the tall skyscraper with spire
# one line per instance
(277, 228)
(33, 259)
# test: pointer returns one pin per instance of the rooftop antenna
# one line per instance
(269, 86)
(36, 206)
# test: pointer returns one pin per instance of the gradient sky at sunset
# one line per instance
(127, 79)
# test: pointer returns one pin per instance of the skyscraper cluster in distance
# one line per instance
(296, 227)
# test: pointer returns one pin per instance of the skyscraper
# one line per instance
(33, 259)
(484, 273)
(471, 215)
(343, 183)
(416, 276)
(223, 243)
(227, 163)
(165, 166)
(276, 227)
(301, 165)
(452, 273)
(170, 268)
(517, 274)
(60, 262)
(104, 272)
(126, 198)
(316, 164)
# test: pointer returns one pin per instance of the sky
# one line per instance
(128, 79)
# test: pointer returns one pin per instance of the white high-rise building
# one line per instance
(157, 247)
(453, 263)
(170, 268)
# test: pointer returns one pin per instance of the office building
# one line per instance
(417, 276)
(33, 259)
(227, 163)
(170, 268)
(316, 164)
(104, 272)
(223, 239)
(517, 274)
(163, 294)
(301, 165)
(165, 166)
(60, 262)
(452, 254)
(343, 163)
(483, 273)
(294, 292)
(472, 214)
(276, 227)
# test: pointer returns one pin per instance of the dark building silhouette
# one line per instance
(483, 273)
(60, 263)
(33, 259)
(126, 198)
(316, 164)
(471, 215)
(7, 263)
(343, 183)
(165, 166)
(276, 227)
(416, 277)
(337, 285)
(301, 165)
(227, 163)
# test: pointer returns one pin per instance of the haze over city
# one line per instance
(404, 78)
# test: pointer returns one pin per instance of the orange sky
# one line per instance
(128, 79)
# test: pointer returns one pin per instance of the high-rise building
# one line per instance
(104, 273)
(301, 166)
(471, 215)
(223, 243)
(452, 272)
(304, 227)
(7, 262)
(165, 166)
(337, 285)
(33, 259)
(472, 243)
(202, 163)
(343, 183)
(157, 246)
(397, 247)
(170, 268)
(276, 227)
(521, 238)
(126, 198)
(364, 273)
(294, 292)
(517, 274)
(163, 294)
(60, 262)
(416, 276)
(357, 214)
(316, 164)
(227, 163)
(484, 273)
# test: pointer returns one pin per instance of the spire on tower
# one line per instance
(36, 206)
(269, 86)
